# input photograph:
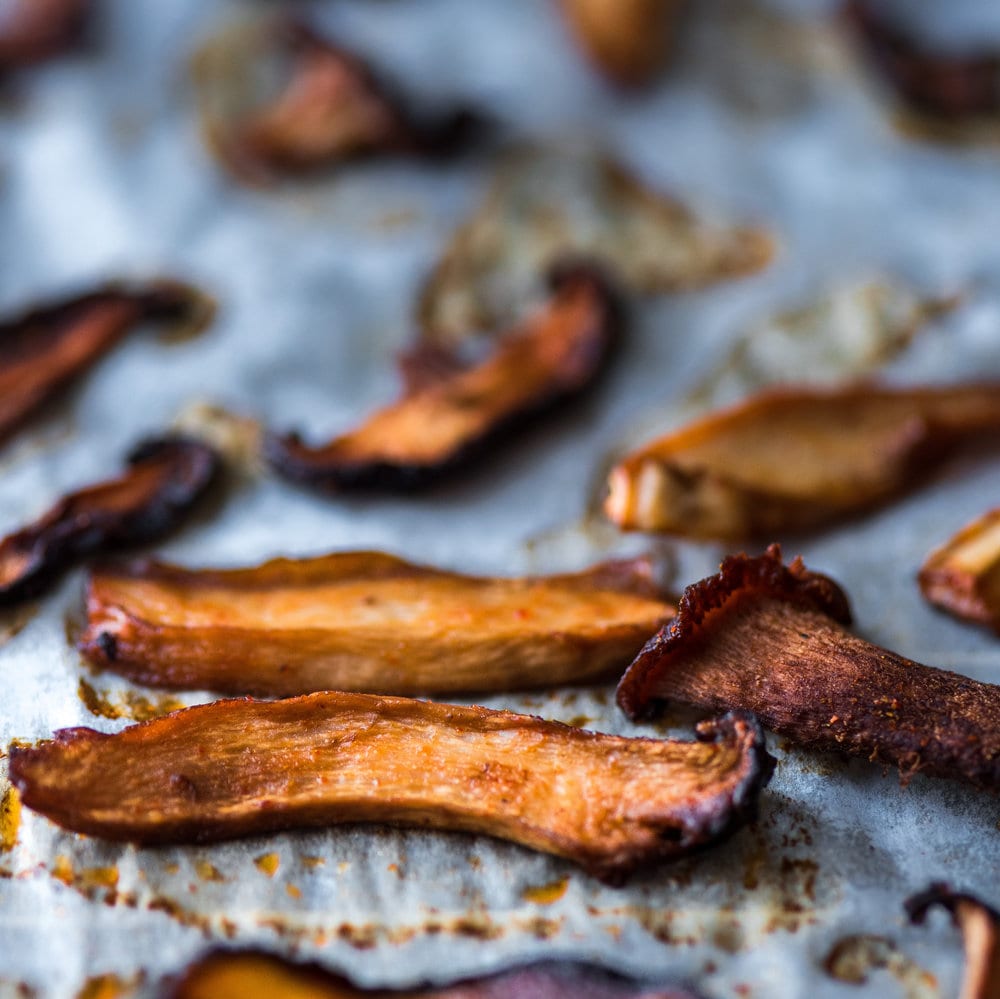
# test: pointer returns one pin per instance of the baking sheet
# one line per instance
(102, 174)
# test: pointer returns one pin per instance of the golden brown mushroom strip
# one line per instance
(445, 421)
(257, 975)
(980, 926)
(236, 768)
(793, 459)
(364, 621)
(164, 480)
(963, 576)
(44, 350)
(771, 639)
(32, 31)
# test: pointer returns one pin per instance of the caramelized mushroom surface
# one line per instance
(32, 31)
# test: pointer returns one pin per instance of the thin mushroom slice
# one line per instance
(43, 351)
(237, 768)
(330, 106)
(365, 621)
(451, 413)
(963, 576)
(796, 458)
(163, 481)
(258, 975)
(763, 637)
(32, 31)
(980, 927)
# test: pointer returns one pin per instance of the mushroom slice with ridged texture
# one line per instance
(451, 412)
(244, 767)
(165, 478)
(257, 975)
(43, 351)
(773, 640)
(277, 98)
(796, 458)
(980, 927)
(32, 31)
(365, 621)
(963, 576)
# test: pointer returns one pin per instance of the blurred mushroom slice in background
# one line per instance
(546, 203)
(963, 576)
(792, 459)
(627, 40)
(278, 98)
(32, 31)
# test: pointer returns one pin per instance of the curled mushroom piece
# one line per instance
(165, 478)
(763, 637)
(32, 31)
(330, 108)
(797, 458)
(364, 621)
(44, 350)
(980, 927)
(237, 768)
(963, 576)
(628, 40)
(257, 975)
(452, 412)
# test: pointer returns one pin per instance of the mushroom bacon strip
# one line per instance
(44, 350)
(257, 975)
(963, 577)
(793, 459)
(980, 926)
(453, 412)
(165, 478)
(364, 621)
(771, 639)
(237, 768)
(32, 31)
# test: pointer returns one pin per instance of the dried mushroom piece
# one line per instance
(963, 577)
(164, 480)
(628, 40)
(32, 31)
(277, 98)
(763, 637)
(980, 927)
(452, 412)
(796, 458)
(365, 621)
(939, 83)
(236, 768)
(548, 203)
(258, 975)
(44, 350)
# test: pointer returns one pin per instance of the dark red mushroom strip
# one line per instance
(963, 576)
(257, 975)
(937, 83)
(365, 621)
(244, 767)
(980, 927)
(771, 639)
(44, 350)
(797, 458)
(164, 480)
(32, 31)
(452, 413)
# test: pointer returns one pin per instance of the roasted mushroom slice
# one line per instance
(627, 39)
(235, 768)
(364, 621)
(445, 419)
(980, 926)
(44, 350)
(257, 975)
(331, 107)
(796, 458)
(963, 577)
(32, 31)
(771, 639)
(164, 480)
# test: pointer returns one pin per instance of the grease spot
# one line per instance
(267, 863)
(546, 894)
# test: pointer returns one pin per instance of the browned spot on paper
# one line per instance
(97, 877)
(580, 721)
(177, 912)
(10, 819)
(293, 891)
(97, 703)
(108, 987)
(13, 620)
(207, 871)
(313, 862)
(62, 869)
(267, 863)
(136, 707)
(546, 894)
(853, 958)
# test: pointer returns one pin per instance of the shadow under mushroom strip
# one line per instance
(770, 639)
(366, 621)
(237, 768)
